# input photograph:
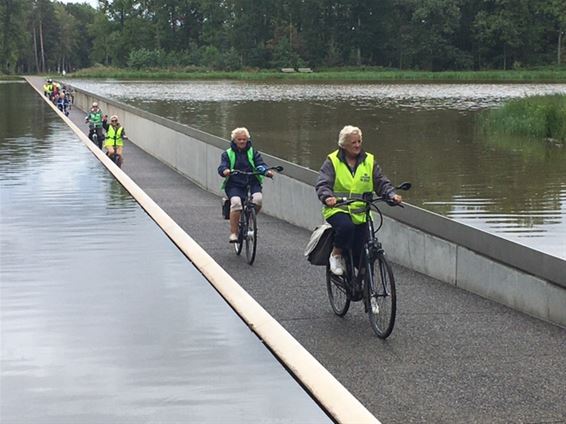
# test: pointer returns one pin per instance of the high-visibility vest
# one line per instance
(114, 137)
(348, 185)
(95, 119)
(232, 158)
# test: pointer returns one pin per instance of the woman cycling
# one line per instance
(241, 156)
(349, 172)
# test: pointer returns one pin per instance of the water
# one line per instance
(103, 320)
(423, 133)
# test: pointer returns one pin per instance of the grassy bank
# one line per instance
(536, 117)
(4, 77)
(322, 75)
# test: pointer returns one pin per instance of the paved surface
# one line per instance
(453, 357)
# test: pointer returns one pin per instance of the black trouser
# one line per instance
(348, 235)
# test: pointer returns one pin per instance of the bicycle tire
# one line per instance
(251, 235)
(380, 292)
(241, 231)
(338, 294)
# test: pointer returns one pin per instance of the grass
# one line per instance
(326, 75)
(535, 117)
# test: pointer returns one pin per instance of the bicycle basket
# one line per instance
(320, 245)
(226, 208)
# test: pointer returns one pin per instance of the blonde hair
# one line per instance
(241, 130)
(347, 131)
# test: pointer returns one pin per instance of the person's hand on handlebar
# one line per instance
(396, 199)
(226, 172)
(330, 201)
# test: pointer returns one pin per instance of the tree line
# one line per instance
(47, 35)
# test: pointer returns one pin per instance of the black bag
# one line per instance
(226, 208)
(320, 245)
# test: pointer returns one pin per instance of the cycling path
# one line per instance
(453, 357)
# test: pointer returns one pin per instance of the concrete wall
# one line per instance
(504, 271)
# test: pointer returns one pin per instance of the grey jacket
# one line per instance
(327, 175)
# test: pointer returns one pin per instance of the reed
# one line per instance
(328, 75)
(536, 117)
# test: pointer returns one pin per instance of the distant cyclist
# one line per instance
(242, 157)
(48, 88)
(115, 136)
(63, 103)
(95, 120)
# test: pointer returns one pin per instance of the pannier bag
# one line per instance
(226, 208)
(320, 245)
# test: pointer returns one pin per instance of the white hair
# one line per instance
(241, 130)
(346, 132)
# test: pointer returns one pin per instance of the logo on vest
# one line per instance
(364, 178)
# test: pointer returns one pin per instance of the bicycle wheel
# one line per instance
(381, 296)
(337, 293)
(241, 231)
(251, 235)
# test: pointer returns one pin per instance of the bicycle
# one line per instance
(373, 282)
(247, 226)
(96, 136)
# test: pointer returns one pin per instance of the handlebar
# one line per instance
(370, 200)
(238, 172)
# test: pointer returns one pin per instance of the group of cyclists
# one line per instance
(111, 131)
(61, 95)
(348, 171)
(105, 133)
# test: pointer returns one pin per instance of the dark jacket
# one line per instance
(327, 175)
(241, 164)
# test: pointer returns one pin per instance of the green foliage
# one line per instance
(432, 35)
(541, 117)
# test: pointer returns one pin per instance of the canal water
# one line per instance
(424, 133)
(103, 320)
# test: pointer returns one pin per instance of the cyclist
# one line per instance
(63, 103)
(48, 88)
(241, 156)
(349, 172)
(95, 121)
(115, 136)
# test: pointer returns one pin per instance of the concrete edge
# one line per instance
(339, 403)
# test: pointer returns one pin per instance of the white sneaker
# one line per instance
(374, 306)
(336, 266)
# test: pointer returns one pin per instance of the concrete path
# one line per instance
(453, 357)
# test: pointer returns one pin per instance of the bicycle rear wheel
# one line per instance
(338, 294)
(381, 296)
(251, 235)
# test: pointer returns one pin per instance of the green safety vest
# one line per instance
(348, 185)
(48, 88)
(95, 118)
(114, 137)
(232, 158)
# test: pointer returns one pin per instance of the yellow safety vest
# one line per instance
(348, 185)
(113, 137)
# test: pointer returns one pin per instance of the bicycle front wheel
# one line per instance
(381, 296)
(337, 293)
(241, 231)
(251, 236)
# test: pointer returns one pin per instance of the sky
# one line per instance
(93, 3)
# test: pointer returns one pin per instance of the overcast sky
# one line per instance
(93, 3)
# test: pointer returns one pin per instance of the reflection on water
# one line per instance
(103, 320)
(425, 134)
